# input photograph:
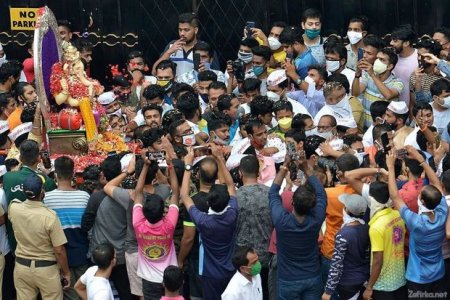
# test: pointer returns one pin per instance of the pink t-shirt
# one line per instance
(156, 250)
(172, 298)
(403, 70)
(286, 198)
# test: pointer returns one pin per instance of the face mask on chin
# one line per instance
(218, 141)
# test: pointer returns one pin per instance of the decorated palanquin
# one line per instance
(76, 125)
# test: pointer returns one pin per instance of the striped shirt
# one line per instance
(69, 207)
(372, 94)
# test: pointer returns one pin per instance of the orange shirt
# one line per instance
(334, 216)
(14, 118)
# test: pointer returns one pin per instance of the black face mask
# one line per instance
(393, 126)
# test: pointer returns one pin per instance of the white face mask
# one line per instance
(341, 104)
(217, 140)
(360, 156)
(375, 206)
(273, 96)
(245, 57)
(445, 102)
(347, 219)
(422, 208)
(326, 135)
(379, 67)
(117, 113)
(188, 140)
(309, 80)
(354, 37)
(333, 65)
(274, 43)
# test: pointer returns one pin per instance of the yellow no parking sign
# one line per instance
(23, 18)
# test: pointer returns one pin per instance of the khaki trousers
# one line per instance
(30, 281)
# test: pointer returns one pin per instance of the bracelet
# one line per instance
(358, 76)
(422, 163)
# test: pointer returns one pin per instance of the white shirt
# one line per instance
(340, 111)
(411, 139)
(240, 288)
(367, 139)
(97, 288)
(441, 119)
(4, 244)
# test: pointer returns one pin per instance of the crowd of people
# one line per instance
(309, 168)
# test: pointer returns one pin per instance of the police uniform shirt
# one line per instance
(37, 230)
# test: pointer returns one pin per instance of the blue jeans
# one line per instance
(307, 289)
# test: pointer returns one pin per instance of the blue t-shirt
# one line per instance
(425, 263)
(303, 62)
(297, 247)
(217, 238)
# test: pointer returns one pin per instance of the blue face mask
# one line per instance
(312, 33)
(258, 70)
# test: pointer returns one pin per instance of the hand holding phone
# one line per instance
(385, 142)
(360, 53)
(249, 27)
(196, 61)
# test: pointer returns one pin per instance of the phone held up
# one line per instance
(196, 61)
(249, 27)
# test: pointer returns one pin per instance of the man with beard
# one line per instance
(189, 106)
(219, 132)
(136, 67)
(181, 50)
(166, 71)
(377, 82)
(65, 30)
(396, 116)
(25, 95)
(402, 41)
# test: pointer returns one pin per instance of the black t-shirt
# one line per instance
(199, 202)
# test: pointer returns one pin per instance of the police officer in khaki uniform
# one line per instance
(40, 245)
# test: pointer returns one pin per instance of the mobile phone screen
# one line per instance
(360, 53)
(196, 61)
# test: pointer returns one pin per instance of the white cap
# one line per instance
(398, 107)
(3, 126)
(347, 122)
(106, 98)
(19, 130)
(276, 77)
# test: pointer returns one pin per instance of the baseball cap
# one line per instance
(32, 187)
(355, 204)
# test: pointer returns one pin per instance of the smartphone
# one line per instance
(385, 142)
(291, 150)
(45, 156)
(360, 53)
(402, 154)
(290, 55)
(196, 61)
(249, 26)
(201, 151)
(159, 155)
(420, 63)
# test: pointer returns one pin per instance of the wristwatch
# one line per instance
(298, 81)
(188, 167)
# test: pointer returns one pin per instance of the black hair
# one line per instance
(167, 64)
(445, 179)
(29, 152)
(216, 123)
(139, 131)
(180, 87)
(361, 19)
(111, 167)
(121, 80)
(439, 86)
(298, 122)
(10, 163)
(280, 24)
(208, 176)
(4, 100)
(103, 255)
(65, 23)
(393, 57)
(217, 85)
(260, 106)
(421, 106)
(249, 42)
(173, 278)
(379, 129)
(207, 75)
(304, 199)
(414, 166)
(190, 18)
(153, 208)
(19, 90)
(296, 135)
(64, 166)
(337, 48)
(311, 144)
(404, 33)
(379, 190)
(282, 105)
(431, 45)
(240, 256)
(431, 196)
(204, 46)
(151, 136)
(83, 44)
(347, 162)
(151, 173)
(251, 84)
(374, 41)
(444, 30)
(153, 91)
(188, 104)
(135, 54)
(422, 140)
(4, 137)
(224, 102)
(342, 79)
(350, 139)
(27, 114)
(10, 68)
(173, 127)
(253, 122)
(321, 70)
(262, 51)
(378, 109)
(152, 107)
(218, 197)
(311, 13)
(169, 117)
(290, 35)
(249, 166)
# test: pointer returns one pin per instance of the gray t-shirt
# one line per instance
(123, 194)
(254, 220)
